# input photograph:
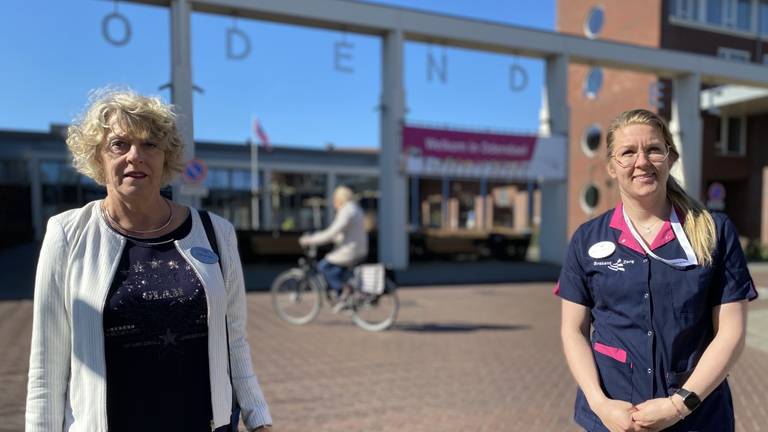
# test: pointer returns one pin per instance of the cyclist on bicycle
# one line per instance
(347, 232)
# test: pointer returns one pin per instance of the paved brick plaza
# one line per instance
(483, 358)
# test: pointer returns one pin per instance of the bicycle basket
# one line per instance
(370, 278)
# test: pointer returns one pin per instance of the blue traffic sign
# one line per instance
(716, 191)
(195, 171)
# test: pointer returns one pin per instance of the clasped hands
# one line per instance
(650, 416)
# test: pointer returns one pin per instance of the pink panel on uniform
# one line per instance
(614, 353)
(666, 234)
(625, 239)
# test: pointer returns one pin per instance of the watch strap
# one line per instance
(690, 399)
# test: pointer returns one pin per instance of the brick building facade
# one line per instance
(734, 128)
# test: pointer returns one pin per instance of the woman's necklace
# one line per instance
(117, 224)
(648, 228)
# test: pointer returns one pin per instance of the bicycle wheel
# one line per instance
(295, 298)
(376, 312)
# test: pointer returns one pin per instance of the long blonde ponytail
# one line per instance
(699, 225)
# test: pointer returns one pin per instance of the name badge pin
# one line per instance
(204, 255)
(602, 249)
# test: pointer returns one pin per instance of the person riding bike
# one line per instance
(347, 232)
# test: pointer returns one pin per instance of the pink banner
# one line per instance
(470, 146)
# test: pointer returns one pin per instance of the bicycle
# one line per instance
(298, 295)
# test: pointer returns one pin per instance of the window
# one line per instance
(743, 15)
(733, 136)
(656, 94)
(590, 198)
(594, 22)
(762, 17)
(60, 187)
(590, 141)
(718, 14)
(229, 196)
(298, 201)
(217, 178)
(593, 83)
(715, 12)
(241, 180)
(13, 172)
(736, 55)
(685, 9)
(56, 172)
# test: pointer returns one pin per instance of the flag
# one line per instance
(260, 135)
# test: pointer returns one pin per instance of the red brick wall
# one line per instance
(625, 21)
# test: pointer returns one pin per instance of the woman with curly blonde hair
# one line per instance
(139, 312)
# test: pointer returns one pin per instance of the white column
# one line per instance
(686, 131)
(266, 200)
(553, 231)
(393, 238)
(36, 189)
(181, 86)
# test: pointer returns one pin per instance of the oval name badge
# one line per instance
(602, 249)
(204, 255)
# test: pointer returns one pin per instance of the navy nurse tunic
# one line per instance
(652, 322)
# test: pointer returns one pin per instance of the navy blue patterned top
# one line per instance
(156, 340)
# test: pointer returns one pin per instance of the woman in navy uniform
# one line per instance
(664, 286)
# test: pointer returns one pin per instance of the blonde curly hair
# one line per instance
(141, 117)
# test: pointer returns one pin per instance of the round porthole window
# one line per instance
(590, 141)
(593, 25)
(590, 197)
(593, 83)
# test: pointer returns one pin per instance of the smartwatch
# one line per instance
(690, 399)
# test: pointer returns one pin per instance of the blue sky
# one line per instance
(53, 53)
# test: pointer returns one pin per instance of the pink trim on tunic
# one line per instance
(664, 236)
(617, 354)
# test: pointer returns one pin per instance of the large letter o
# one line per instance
(105, 29)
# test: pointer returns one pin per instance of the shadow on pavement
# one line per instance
(455, 327)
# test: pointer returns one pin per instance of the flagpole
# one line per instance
(259, 137)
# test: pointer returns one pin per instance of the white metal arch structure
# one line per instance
(397, 25)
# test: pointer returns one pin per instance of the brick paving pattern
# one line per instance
(481, 357)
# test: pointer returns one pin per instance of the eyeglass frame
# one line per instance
(645, 152)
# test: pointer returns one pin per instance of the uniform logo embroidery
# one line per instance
(616, 266)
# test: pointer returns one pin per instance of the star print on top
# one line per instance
(156, 340)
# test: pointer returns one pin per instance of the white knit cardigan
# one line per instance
(67, 370)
